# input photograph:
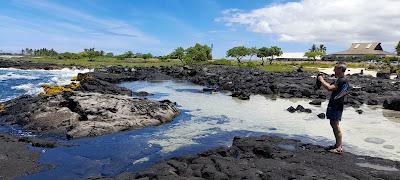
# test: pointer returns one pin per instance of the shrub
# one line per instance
(222, 62)
(251, 64)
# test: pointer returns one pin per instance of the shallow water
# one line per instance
(210, 120)
(377, 167)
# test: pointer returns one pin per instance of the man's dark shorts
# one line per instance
(334, 114)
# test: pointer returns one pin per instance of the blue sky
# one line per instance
(159, 26)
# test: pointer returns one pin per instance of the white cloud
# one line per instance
(68, 29)
(323, 21)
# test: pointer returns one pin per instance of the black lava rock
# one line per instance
(392, 104)
(316, 102)
(291, 109)
(321, 115)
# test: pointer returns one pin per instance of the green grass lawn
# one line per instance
(104, 62)
(276, 66)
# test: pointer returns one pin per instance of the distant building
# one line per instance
(295, 56)
(359, 50)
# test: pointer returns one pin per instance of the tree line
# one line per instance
(240, 52)
(196, 53)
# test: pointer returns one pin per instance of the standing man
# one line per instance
(336, 102)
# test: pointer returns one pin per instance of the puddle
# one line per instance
(374, 140)
(377, 167)
(287, 147)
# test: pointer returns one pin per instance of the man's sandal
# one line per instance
(337, 150)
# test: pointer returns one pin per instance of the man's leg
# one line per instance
(337, 132)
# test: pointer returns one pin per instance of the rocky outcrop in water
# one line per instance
(80, 114)
(269, 158)
(392, 104)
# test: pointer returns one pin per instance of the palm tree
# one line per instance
(322, 48)
(313, 48)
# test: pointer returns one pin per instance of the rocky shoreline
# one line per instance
(94, 108)
(99, 107)
(25, 64)
(269, 157)
(17, 160)
(243, 82)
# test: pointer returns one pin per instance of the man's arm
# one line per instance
(326, 85)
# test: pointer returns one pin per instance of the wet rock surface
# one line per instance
(392, 104)
(16, 159)
(321, 115)
(81, 114)
(268, 157)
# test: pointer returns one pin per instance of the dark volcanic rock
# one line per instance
(316, 102)
(16, 159)
(142, 93)
(300, 108)
(321, 115)
(372, 102)
(241, 95)
(25, 64)
(79, 114)
(384, 75)
(307, 110)
(291, 109)
(392, 104)
(243, 82)
(267, 158)
(208, 89)
(100, 86)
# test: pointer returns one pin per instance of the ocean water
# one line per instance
(16, 82)
(210, 120)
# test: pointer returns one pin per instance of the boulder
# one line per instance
(291, 109)
(321, 115)
(300, 108)
(383, 75)
(392, 104)
(316, 102)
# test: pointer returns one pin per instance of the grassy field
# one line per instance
(276, 66)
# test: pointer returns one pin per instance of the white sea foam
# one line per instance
(29, 88)
(142, 160)
(11, 75)
(8, 98)
(53, 77)
(63, 76)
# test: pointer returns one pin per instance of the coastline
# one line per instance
(207, 76)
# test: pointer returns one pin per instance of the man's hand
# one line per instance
(326, 85)
(321, 78)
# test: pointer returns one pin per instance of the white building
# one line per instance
(293, 56)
